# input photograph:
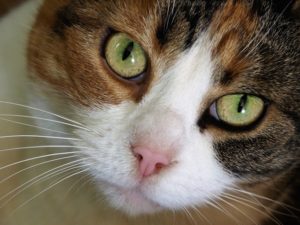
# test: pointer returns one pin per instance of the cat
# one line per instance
(150, 112)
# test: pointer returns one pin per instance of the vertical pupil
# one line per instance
(127, 51)
(242, 103)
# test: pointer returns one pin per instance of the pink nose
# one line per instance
(150, 162)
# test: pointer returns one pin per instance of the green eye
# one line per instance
(239, 110)
(125, 57)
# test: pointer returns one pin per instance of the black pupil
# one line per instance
(243, 103)
(127, 51)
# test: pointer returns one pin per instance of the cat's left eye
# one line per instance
(238, 110)
(125, 57)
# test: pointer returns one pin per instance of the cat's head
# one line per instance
(181, 99)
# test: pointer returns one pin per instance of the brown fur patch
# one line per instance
(233, 26)
(72, 63)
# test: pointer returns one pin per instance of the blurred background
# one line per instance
(6, 5)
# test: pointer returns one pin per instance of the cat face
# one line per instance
(181, 99)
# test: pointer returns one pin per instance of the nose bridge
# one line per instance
(165, 116)
(172, 110)
(159, 126)
(173, 104)
(184, 86)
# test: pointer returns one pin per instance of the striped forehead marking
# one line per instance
(233, 26)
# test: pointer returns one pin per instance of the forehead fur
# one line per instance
(247, 36)
(232, 27)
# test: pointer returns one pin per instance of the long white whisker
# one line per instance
(258, 203)
(201, 215)
(51, 186)
(45, 119)
(36, 165)
(38, 157)
(30, 125)
(44, 176)
(44, 111)
(190, 216)
(216, 205)
(263, 198)
(76, 183)
(43, 146)
(39, 136)
(16, 192)
(237, 209)
(268, 215)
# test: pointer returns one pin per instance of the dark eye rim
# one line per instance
(138, 79)
(207, 119)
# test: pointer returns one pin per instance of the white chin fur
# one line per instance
(132, 202)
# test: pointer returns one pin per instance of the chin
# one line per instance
(130, 201)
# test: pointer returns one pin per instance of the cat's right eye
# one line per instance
(125, 57)
(238, 110)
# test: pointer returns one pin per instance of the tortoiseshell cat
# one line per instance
(179, 112)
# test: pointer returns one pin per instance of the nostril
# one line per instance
(150, 162)
(159, 166)
(138, 156)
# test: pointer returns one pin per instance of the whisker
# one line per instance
(43, 146)
(75, 123)
(202, 216)
(79, 181)
(33, 126)
(189, 215)
(50, 187)
(219, 207)
(38, 157)
(43, 111)
(39, 136)
(268, 215)
(238, 210)
(258, 203)
(41, 177)
(34, 166)
(174, 216)
(14, 194)
(44, 119)
(264, 198)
